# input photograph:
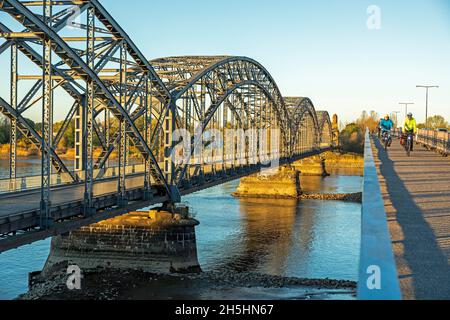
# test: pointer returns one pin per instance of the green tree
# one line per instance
(68, 137)
(5, 129)
(368, 121)
(352, 138)
(435, 122)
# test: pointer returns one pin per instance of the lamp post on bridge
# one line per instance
(406, 104)
(395, 113)
(426, 106)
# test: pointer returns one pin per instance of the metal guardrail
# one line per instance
(435, 140)
(34, 182)
(378, 278)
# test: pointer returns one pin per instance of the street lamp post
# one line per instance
(426, 106)
(396, 118)
(406, 104)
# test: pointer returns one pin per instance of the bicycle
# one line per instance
(387, 139)
(408, 143)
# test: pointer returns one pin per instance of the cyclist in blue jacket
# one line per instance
(386, 126)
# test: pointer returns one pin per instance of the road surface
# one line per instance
(11, 204)
(416, 192)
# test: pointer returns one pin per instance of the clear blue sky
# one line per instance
(321, 49)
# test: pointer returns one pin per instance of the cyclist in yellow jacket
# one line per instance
(410, 127)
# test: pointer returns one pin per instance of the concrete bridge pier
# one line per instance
(313, 166)
(283, 182)
(161, 240)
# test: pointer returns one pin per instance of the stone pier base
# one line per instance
(313, 166)
(155, 241)
(330, 162)
(282, 183)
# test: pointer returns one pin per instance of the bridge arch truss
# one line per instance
(114, 99)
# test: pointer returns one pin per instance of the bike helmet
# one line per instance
(410, 115)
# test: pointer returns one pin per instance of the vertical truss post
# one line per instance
(89, 117)
(147, 127)
(188, 115)
(79, 145)
(247, 136)
(107, 134)
(13, 133)
(268, 127)
(169, 165)
(302, 138)
(233, 148)
(123, 128)
(224, 137)
(273, 126)
(47, 125)
(213, 154)
(260, 127)
(289, 141)
(201, 153)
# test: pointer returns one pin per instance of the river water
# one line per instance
(25, 167)
(307, 239)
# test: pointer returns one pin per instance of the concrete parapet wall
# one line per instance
(378, 277)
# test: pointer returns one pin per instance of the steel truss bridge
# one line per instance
(71, 57)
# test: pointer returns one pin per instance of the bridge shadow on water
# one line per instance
(428, 264)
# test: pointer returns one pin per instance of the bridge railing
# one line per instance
(34, 181)
(435, 140)
(378, 278)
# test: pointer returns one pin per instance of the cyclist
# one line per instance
(386, 126)
(410, 127)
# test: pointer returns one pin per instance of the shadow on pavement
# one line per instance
(428, 264)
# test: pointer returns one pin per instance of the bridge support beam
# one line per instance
(169, 165)
(13, 132)
(148, 101)
(47, 122)
(122, 200)
(79, 145)
(89, 118)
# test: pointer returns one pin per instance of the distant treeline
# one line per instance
(5, 129)
(67, 141)
(352, 136)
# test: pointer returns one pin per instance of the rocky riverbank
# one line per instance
(110, 284)
(347, 197)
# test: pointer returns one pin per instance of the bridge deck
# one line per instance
(416, 192)
(20, 214)
(11, 204)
